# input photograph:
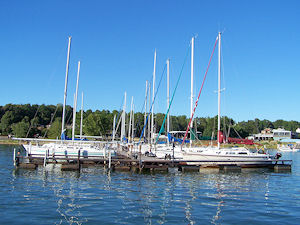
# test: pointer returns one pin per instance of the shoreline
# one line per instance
(268, 145)
(9, 142)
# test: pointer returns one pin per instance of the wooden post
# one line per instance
(109, 162)
(173, 154)
(14, 158)
(45, 158)
(78, 157)
(140, 156)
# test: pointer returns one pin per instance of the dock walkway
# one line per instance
(125, 161)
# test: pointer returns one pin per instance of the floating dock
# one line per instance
(142, 163)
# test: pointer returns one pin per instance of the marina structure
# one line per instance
(66, 147)
(212, 153)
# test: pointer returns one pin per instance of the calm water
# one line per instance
(49, 196)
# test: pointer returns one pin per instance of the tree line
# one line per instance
(45, 121)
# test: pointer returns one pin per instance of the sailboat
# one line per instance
(212, 154)
(66, 148)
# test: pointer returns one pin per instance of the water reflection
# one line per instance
(98, 196)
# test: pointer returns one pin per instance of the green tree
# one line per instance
(54, 131)
(6, 121)
(20, 129)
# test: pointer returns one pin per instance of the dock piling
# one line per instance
(45, 158)
(14, 158)
(109, 160)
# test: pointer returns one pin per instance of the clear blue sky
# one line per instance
(115, 42)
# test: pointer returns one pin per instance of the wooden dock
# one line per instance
(141, 163)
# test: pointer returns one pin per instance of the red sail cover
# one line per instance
(234, 140)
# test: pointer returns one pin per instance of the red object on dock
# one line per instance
(230, 140)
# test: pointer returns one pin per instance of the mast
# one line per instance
(145, 115)
(114, 129)
(132, 131)
(168, 99)
(66, 85)
(219, 89)
(75, 102)
(123, 119)
(130, 120)
(149, 129)
(192, 86)
(81, 116)
(153, 90)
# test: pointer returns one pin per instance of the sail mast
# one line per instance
(145, 115)
(192, 85)
(75, 103)
(81, 116)
(132, 130)
(219, 89)
(114, 129)
(149, 105)
(168, 98)
(153, 90)
(130, 120)
(66, 85)
(123, 119)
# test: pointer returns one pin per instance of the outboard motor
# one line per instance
(278, 155)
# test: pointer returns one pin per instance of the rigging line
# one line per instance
(145, 99)
(152, 103)
(224, 128)
(51, 120)
(223, 80)
(196, 136)
(71, 114)
(237, 133)
(180, 74)
(196, 103)
(119, 114)
(213, 131)
(32, 120)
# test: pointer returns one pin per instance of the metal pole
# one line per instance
(145, 115)
(153, 92)
(192, 86)
(75, 102)
(168, 99)
(130, 120)
(149, 127)
(114, 129)
(123, 119)
(132, 130)
(81, 116)
(66, 85)
(219, 89)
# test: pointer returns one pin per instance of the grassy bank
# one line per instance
(9, 142)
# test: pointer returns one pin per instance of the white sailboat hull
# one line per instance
(238, 156)
(63, 150)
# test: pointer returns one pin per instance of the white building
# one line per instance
(281, 133)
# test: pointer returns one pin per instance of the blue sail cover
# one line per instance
(174, 139)
(65, 137)
(125, 139)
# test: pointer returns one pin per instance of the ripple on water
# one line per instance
(95, 196)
